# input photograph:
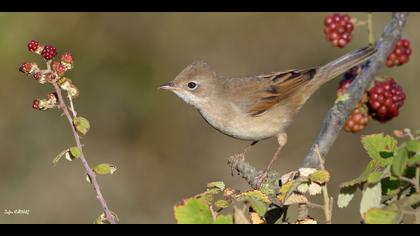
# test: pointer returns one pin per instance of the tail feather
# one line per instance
(346, 62)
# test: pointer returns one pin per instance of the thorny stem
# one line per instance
(89, 170)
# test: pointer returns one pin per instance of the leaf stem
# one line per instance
(89, 170)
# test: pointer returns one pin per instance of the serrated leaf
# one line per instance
(104, 169)
(314, 189)
(372, 167)
(380, 147)
(388, 215)
(258, 206)
(75, 152)
(302, 188)
(295, 198)
(371, 198)
(221, 204)
(413, 146)
(413, 161)
(256, 194)
(81, 124)
(320, 176)
(256, 219)
(390, 186)
(399, 163)
(59, 156)
(345, 196)
(217, 184)
(193, 211)
(374, 177)
(224, 219)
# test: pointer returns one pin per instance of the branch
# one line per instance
(337, 115)
(89, 170)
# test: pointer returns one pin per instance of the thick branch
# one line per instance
(337, 115)
(89, 170)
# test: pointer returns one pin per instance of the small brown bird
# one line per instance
(256, 107)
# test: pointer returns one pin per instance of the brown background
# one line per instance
(163, 149)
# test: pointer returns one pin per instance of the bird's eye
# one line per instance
(192, 85)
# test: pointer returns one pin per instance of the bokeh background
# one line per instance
(163, 149)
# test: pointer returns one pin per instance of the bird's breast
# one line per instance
(233, 122)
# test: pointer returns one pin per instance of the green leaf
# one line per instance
(390, 186)
(224, 219)
(372, 167)
(218, 185)
(415, 160)
(346, 195)
(193, 211)
(400, 162)
(221, 204)
(380, 147)
(413, 146)
(412, 200)
(104, 169)
(320, 176)
(371, 198)
(374, 177)
(81, 124)
(256, 194)
(75, 152)
(388, 215)
(59, 156)
(258, 206)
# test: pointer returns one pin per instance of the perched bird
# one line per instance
(256, 107)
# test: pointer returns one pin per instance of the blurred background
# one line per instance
(163, 149)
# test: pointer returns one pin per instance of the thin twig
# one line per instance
(89, 170)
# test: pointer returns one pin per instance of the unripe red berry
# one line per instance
(338, 29)
(385, 100)
(400, 55)
(357, 120)
(35, 104)
(49, 52)
(58, 68)
(33, 46)
(28, 67)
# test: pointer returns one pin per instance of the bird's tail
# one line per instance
(345, 63)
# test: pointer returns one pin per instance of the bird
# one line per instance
(258, 107)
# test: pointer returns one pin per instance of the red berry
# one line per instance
(357, 120)
(67, 58)
(28, 68)
(35, 104)
(400, 55)
(58, 68)
(49, 52)
(33, 46)
(385, 100)
(338, 29)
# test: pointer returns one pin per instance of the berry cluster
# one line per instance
(338, 29)
(385, 100)
(400, 55)
(53, 74)
(382, 101)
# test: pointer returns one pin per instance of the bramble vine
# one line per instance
(390, 183)
(54, 75)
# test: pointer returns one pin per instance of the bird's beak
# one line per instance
(168, 86)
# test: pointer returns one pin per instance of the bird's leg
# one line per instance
(282, 140)
(241, 156)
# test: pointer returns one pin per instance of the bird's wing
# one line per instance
(277, 87)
